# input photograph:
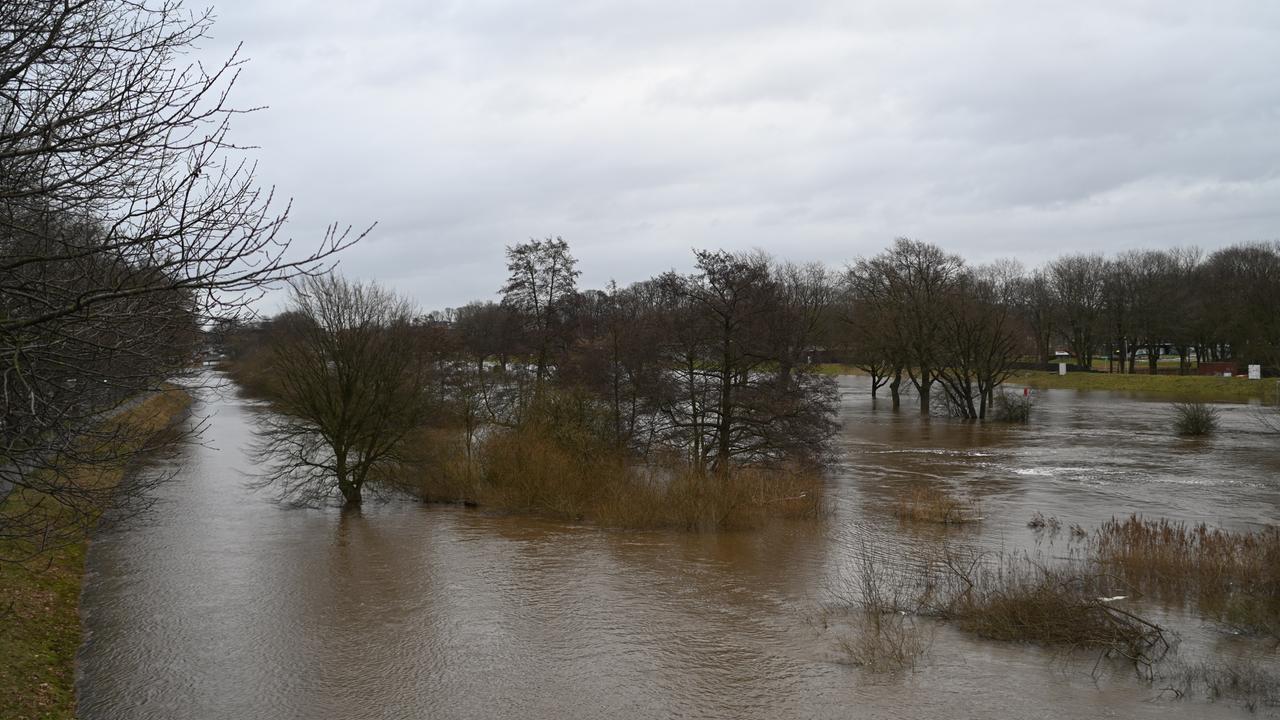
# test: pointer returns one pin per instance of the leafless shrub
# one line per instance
(1013, 598)
(569, 468)
(883, 631)
(929, 504)
(1039, 522)
(1011, 407)
(1194, 419)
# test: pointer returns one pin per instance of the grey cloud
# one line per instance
(818, 130)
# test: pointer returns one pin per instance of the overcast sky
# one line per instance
(813, 130)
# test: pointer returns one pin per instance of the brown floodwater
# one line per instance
(220, 603)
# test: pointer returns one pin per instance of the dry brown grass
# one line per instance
(528, 470)
(1234, 576)
(998, 596)
(930, 504)
(1013, 598)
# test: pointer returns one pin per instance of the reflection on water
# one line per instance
(223, 605)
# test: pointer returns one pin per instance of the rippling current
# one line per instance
(220, 603)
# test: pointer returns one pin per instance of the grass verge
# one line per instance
(1182, 387)
(39, 598)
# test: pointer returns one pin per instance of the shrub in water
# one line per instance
(1195, 418)
(1011, 407)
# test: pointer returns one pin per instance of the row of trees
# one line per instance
(717, 366)
(127, 225)
(1216, 307)
(913, 317)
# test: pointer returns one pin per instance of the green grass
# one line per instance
(838, 369)
(1182, 387)
(40, 598)
(1166, 362)
(40, 636)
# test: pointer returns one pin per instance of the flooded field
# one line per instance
(221, 603)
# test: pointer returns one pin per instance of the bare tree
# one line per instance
(869, 332)
(982, 336)
(806, 300)
(1077, 284)
(126, 224)
(730, 401)
(541, 284)
(352, 377)
(910, 282)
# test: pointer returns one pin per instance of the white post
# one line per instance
(1062, 368)
(1255, 372)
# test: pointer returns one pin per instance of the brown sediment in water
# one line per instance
(229, 605)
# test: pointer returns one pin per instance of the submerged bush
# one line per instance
(1012, 598)
(880, 630)
(1011, 407)
(1193, 419)
(922, 503)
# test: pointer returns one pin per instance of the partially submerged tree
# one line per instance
(736, 392)
(352, 378)
(910, 283)
(982, 336)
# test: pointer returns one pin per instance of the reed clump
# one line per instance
(1234, 576)
(1195, 419)
(1244, 681)
(1010, 597)
(530, 469)
(932, 504)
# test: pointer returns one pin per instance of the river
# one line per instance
(220, 603)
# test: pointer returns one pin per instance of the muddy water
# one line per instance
(221, 604)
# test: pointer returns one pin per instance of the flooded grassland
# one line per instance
(222, 603)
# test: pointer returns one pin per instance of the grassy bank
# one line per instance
(1180, 387)
(39, 599)
(839, 369)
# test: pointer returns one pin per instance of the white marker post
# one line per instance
(1255, 372)
(1062, 368)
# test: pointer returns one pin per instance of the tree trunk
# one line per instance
(347, 485)
(923, 388)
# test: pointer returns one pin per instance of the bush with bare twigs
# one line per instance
(881, 628)
(1011, 597)
(928, 504)
(1195, 419)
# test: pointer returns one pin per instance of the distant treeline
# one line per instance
(915, 313)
